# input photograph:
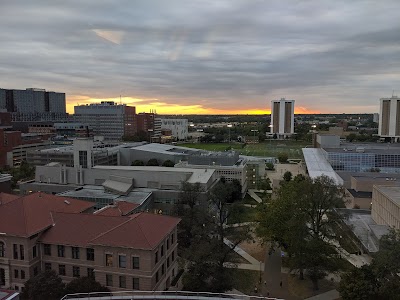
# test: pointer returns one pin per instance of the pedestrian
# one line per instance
(267, 294)
(280, 284)
(265, 282)
(255, 289)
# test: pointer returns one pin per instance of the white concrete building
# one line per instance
(107, 118)
(282, 117)
(178, 127)
(389, 118)
(375, 118)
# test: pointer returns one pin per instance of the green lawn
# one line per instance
(246, 280)
(242, 214)
(268, 149)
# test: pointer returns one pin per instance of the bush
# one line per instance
(153, 162)
(283, 157)
(168, 163)
(270, 166)
(138, 163)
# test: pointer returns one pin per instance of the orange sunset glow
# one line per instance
(163, 108)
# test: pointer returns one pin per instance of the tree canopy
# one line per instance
(153, 162)
(84, 285)
(168, 163)
(300, 219)
(46, 285)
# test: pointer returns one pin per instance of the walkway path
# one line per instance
(254, 195)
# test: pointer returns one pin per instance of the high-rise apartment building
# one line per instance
(109, 119)
(150, 125)
(32, 100)
(282, 117)
(389, 118)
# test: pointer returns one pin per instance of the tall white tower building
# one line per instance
(389, 118)
(282, 117)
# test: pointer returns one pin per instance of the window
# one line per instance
(34, 251)
(162, 250)
(61, 270)
(90, 254)
(168, 262)
(122, 281)
(61, 251)
(16, 274)
(135, 262)
(21, 252)
(47, 249)
(75, 252)
(167, 244)
(135, 283)
(172, 239)
(173, 256)
(90, 272)
(2, 249)
(156, 257)
(83, 159)
(35, 271)
(109, 260)
(76, 272)
(22, 274)
(163, 269)
(122, 261)
(15, 251)
(157, 276)
(109, 280)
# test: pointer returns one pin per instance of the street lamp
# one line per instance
(229, 132)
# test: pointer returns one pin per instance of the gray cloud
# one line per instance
(331, 56)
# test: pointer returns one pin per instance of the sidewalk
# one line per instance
(254, 195)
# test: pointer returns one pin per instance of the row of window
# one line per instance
(75, 252)
(19, 274)
(76, 271)
(122, 263)
(122, 282)
(156, 256)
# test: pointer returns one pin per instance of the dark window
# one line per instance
(135, 262)
(156, 257)
(122, 261)
(162, 250)
(61, 270)
(47, 266)
(21, 252)
(35, 271)
(75, 252)
(16, 274)
(61, 251)
(76, 272)
(157, 276)
(47, 249)
(22, 274)
(122, 281)
(163, 269)
(168, 262)
(109, 260)
(15, 251)
(135, 283)
(109, 280)
(83, 159)
(2, 249)
(90, 272)
(90, 254)
(167, 244)
(172, 239)
(34, 251)
(173, 256)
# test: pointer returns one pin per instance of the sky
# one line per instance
(205, 57)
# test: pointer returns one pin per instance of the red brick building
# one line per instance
(41, 231)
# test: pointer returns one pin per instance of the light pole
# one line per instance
(229, 132)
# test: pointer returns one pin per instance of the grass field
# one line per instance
(266, 149)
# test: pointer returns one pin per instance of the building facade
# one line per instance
(178, 127)
(282, 117)
(48, 235)
(150, 125)
(386, 205)
(389, 118)
(109, 119)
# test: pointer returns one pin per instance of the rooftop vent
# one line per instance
(67, 202)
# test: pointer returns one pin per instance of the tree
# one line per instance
(46, 285)
(270, 166)
(287, 176)
(300, 219)
(153, 162)
(168, 163)
(379, 280)
(84, 285)
(283, 157)
(138, 163)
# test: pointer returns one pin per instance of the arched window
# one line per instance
(2, 249)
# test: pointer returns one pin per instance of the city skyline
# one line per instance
(205, 57)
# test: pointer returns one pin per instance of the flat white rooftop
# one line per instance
(317, 165)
